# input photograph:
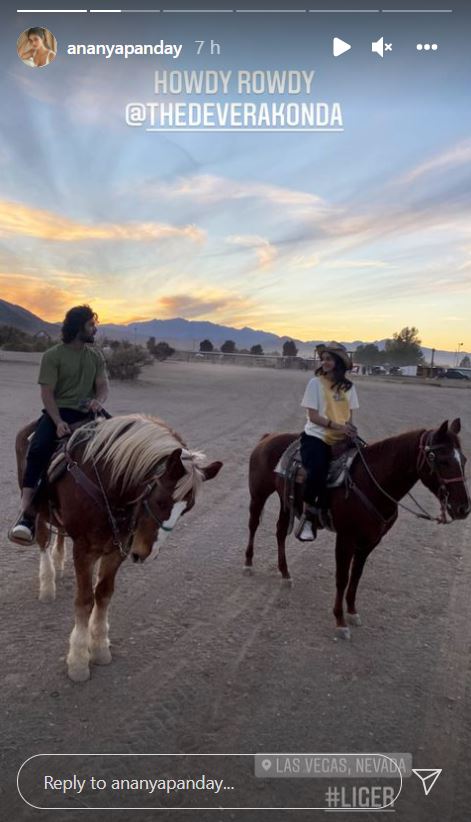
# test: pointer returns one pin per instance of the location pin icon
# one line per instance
(266, 764)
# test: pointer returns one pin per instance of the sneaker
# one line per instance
(23, 531)
(305, 531)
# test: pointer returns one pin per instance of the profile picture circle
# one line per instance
(36, 47)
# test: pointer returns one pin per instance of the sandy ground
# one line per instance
(207, 660)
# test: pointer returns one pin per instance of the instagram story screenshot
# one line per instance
(235, 411)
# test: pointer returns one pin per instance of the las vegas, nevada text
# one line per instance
(247, 113)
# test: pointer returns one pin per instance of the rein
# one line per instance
(426, 457)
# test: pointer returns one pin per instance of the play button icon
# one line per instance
(339, 46)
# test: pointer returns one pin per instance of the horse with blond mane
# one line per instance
(125, 482)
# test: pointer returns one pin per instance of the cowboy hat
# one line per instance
(338, 349)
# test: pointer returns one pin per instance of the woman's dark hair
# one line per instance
(340, 381)
(37, 30)
(75, 320)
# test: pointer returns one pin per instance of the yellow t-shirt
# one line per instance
(335, 404)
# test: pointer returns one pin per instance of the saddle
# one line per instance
(290, 462)
(58, 461)
(81, 433)
(61, 457)
(290, 467)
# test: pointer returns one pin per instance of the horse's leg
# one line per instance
(100, 653)
(343, 558)
(257, 503)
(281, 531)
(359, 558)
(79, 656)
(47, 572)
(58, 552)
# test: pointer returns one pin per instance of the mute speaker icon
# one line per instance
(379, 47)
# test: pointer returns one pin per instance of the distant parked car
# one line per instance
(454, 374)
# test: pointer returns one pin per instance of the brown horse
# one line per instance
(381, 475)
(125, 487)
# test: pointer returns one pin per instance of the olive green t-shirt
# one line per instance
(71, 373)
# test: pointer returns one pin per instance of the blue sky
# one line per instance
(347, 236)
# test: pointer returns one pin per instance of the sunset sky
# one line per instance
(348, 236)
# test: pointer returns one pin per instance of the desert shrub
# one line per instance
(12, 339)
(125, 361)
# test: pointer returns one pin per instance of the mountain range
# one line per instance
(187, 334)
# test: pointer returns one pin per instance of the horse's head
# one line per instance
(441, 467)
(172, 494)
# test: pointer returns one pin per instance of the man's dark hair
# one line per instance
(75, 320)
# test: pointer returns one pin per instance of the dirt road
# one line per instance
(207, 660)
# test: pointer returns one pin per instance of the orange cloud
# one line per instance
(48, 301)
(18, 219)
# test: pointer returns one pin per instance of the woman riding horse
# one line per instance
(329, 400)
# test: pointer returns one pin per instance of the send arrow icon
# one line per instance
(339, 47)
(428, 777)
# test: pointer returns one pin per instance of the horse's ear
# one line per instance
(441, 432)
(174, 469)
(212, 470)
(455, 426)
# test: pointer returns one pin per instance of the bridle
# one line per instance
(116, 517)
(97, 492)
(425, 458)
(142, 501)
(150, 513)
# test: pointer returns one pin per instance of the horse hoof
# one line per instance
(353, 619)
(78, 674)
(287, 582)
(100, 656)
(342, 632)
(247, 570)
(47, 596)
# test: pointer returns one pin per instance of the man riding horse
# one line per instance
(74, 385)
